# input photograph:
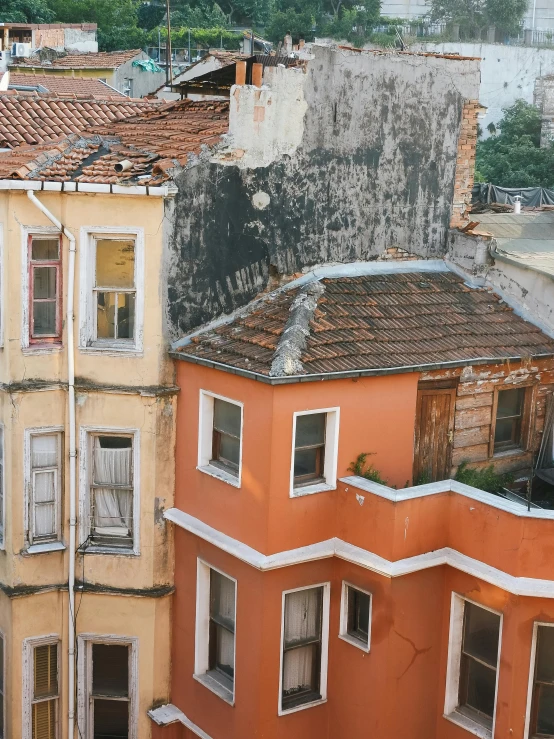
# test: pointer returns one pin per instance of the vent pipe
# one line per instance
(517, 204)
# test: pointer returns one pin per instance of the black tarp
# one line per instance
(531, 197)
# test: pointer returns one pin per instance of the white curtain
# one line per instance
(223, 600)
(113, 508)
(302, 621)
(44, 464)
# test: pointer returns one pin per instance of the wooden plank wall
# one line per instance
(474, 408)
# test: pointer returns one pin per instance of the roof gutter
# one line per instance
(348, 374)
(159, 191)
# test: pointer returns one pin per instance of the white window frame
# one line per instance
(330, 462)
(29, 645)
(28, 488)
(326, 603)
(532, 667)
(343, 624)
(205, 437)
(26, 345)
(84, 686)
(455, 636)
(85, 465)
(87, 301)
(3, 483)
(202, 632)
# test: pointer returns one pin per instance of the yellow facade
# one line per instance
(121, 594)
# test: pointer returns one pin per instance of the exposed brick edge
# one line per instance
(465, 164)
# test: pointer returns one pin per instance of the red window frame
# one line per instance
(56, 337)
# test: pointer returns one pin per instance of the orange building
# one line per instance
(312, 602)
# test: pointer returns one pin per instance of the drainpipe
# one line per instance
(72, 457)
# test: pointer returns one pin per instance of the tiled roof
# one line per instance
(371, 322)
(153, 145)
(84, 60)
(32, 118)
(89, 86)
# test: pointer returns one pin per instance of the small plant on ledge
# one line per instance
(362, 469)
(484, 479)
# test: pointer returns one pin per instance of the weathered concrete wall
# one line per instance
(358, 157)
(143, 83)
(543, 97)
(507, 73)
(80, 39)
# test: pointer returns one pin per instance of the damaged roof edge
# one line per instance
(163, 191)
(284, 380)
(351, 269)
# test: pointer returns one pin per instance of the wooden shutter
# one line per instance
(45, 691)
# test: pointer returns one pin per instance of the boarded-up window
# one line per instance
(109, 696)
(45, 323)
(45, 692)
(115, 290)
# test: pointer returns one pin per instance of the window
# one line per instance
(510, 419)
(45, 692)
(215, 631)
(45, 324)
(107, 688)
(220, 438)
(315, 443)
(128, 86)
(542, 702)
(111, 490)
(115, 290)
(44, 486)
(355, 623)
(473, 659)
(2, 502)
(2, 688)
(305, 643)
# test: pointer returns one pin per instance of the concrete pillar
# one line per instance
(257, 74)
(491, 34)
(240, 73)
(528, 37)
(455, 32)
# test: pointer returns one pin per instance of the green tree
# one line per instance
(26, 11)
(513, 158)
(298, 24)
(476, 15)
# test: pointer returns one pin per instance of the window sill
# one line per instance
(121, 551)
(50, 546)
(302, 707)
(465, 722)
(220, 474)
(128, 350)
(355, 642)
(318, 487)
(42, 349)
(509, 453)
(216, 687)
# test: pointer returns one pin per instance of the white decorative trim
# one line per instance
(27, 231)
(84, 486)
(455, 637)
(27, 674)
(27, 486)
(325, 606)
(343, 624)
(84, 649)
(205, 436)
(332, 420)
(524, 586)
(202, 632)
(170, 714)
(87, 256)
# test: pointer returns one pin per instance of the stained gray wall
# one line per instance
(369, 165)
(144, 82)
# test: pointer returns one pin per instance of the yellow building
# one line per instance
(87, 414)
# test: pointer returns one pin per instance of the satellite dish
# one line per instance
(5, 81)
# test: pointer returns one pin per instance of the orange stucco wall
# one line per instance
(373, 411)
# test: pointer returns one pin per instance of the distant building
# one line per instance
(71, 36)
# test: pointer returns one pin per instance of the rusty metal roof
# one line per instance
(367, 324)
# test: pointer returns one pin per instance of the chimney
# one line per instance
(517, 204)
(257, 74)
(240, 75)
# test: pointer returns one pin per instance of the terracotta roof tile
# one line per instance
(84, 60)
(55, 85)
(376, 322)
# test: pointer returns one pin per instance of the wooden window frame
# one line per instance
(206, 415)
(29, 646)
(312, 478)
(2, 487)
(29, 523)
(56, 337)
(230, 467)
(329, 455)
(527, 417)
(283, 708)
(360, 639)
(532, 695)
(96, 290)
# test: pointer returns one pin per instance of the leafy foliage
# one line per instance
(476, 15)
(483, 479)
(513, 157)
(360, 468)
(26, 11)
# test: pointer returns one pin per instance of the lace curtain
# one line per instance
(302, 622)
(44, 466)
(113, 507)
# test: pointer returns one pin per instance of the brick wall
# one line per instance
(465, 164)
